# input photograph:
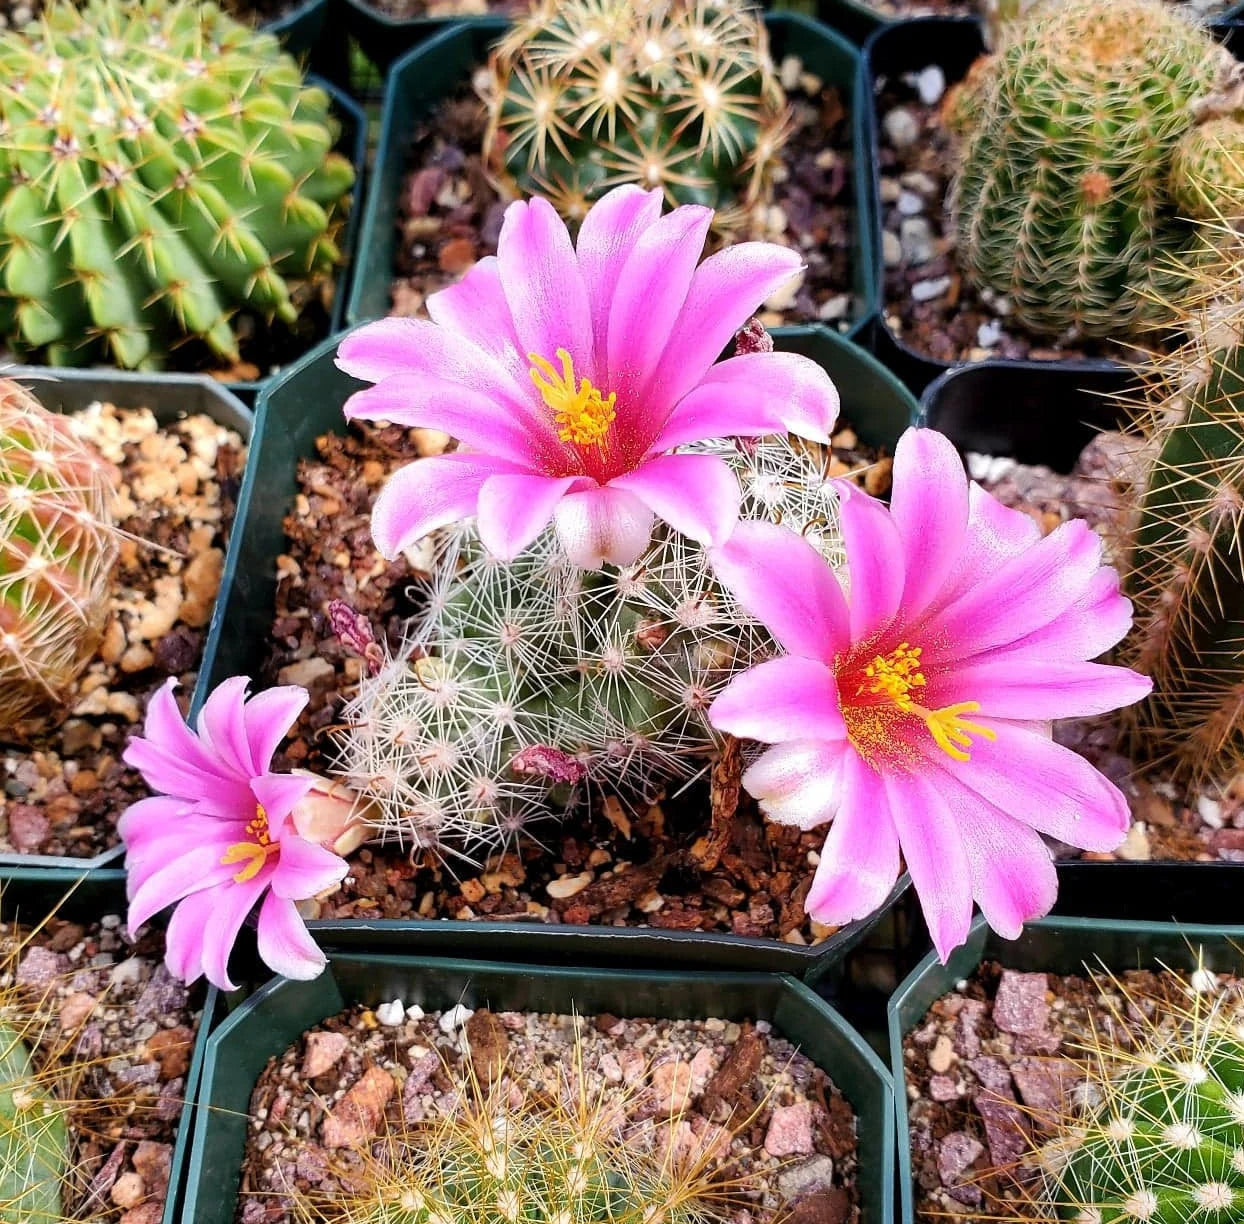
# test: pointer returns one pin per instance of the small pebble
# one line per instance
(927, 290)
(391, 1014)
(930, 84)
(454, 1018)
(901, 128)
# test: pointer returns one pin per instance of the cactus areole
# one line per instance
(162, 167)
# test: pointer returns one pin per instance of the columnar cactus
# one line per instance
(58, 548)
(526, 678)
(1085, 144)
(34, 1155)
(677, 94)
(163, 166)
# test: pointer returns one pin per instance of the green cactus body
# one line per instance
(34, 1141)
(676, 94)
(58, 548)
(611, 672)
(1069, 196)
(164, 167)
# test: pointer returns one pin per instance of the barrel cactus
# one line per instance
(58, 548)
(1086, 145)
(676, 94)
(163, 167)
(34, 1155)
(528, 678)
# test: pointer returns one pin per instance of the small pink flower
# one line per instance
(219, 836)
(570, 373)
(913, 711)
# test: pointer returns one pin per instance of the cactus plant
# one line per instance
(164, 166)
(677, 94)
(1085, 147)
(58, 547)
(527, 678)
(34, 1139)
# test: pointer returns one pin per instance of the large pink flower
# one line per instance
(913, 710)
(219, 836)
(569, 375)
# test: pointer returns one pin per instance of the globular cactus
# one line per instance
(58, 549)
(529, 678)
(34, 1139)
(1086, 145)
(1162, 1141)
(676, 94)
(164, 166)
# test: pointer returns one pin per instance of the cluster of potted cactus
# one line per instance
(622, 587)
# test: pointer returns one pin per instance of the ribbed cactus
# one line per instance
(34, 1142)
(164, 166)
(676, 94)
(1084, 146)
(1164, 1141)
(528, 677)
(58, 547)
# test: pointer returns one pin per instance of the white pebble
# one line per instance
(391, 1014)
(901, 128)
(833, 309)
(930, 84)
(1210, 811)
(891, 249)
(910, 204)
(1203, 981)
(927, 290)
(454, 1018)
(989, 333)
(414, 1012)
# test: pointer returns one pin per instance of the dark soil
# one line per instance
(972, 8)
(639, 870)
(450, 210)
(404, 10)
(64, 793)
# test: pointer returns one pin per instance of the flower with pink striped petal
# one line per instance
(912, 711)
(220, 837)
(569, 373)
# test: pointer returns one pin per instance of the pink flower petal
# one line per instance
(779, 578)
(726, 290)
(476, 307)
(305, 869)
(221, 728)
(544, 287)
(798, 783)
(755, 395)
(429, 494)
(697, 495)
(222, 911)
(791, 698)
(162, 837)
(1038, 688)
(285, 945)
(603, 525)
(269, 716)
(1042, 784)
(277, 794)
(607, 236)
(929, 505)
(151, 817)
(936, 857)
(514, 509)
(874, 562)
(860, 859)
(195, 868)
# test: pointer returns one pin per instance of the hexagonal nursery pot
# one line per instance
(28, 895)
(278, 1014)
(170, 397)
(436, 68)
(305, 404)
(1053, 945)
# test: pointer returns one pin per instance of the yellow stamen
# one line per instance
(583, 415)
(895, 675)
(253, 853)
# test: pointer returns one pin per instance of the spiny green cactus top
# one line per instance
(677, 94)
(34, 1142)
(161, 166)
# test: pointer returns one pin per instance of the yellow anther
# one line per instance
(583, 415)
(253, 853)
(895, 675)
(952, 732)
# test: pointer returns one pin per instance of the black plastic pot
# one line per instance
(305, 403)
(277, 1015)
(169, 396)
(433, 70)
(1054, 945)
(29, 896)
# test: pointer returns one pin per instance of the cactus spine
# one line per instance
(34, 1140)
(676, 94)
(1083, 151)
(163, 166)
(58, 548)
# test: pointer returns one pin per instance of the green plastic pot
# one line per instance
(169, 396)
(310, 32)
(29, 896)
(433, 70)
(278, 1014)
(306, 403)
(1053, 945)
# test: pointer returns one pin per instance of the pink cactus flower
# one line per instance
(220, 836)
(912, 711)
(570, 374)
